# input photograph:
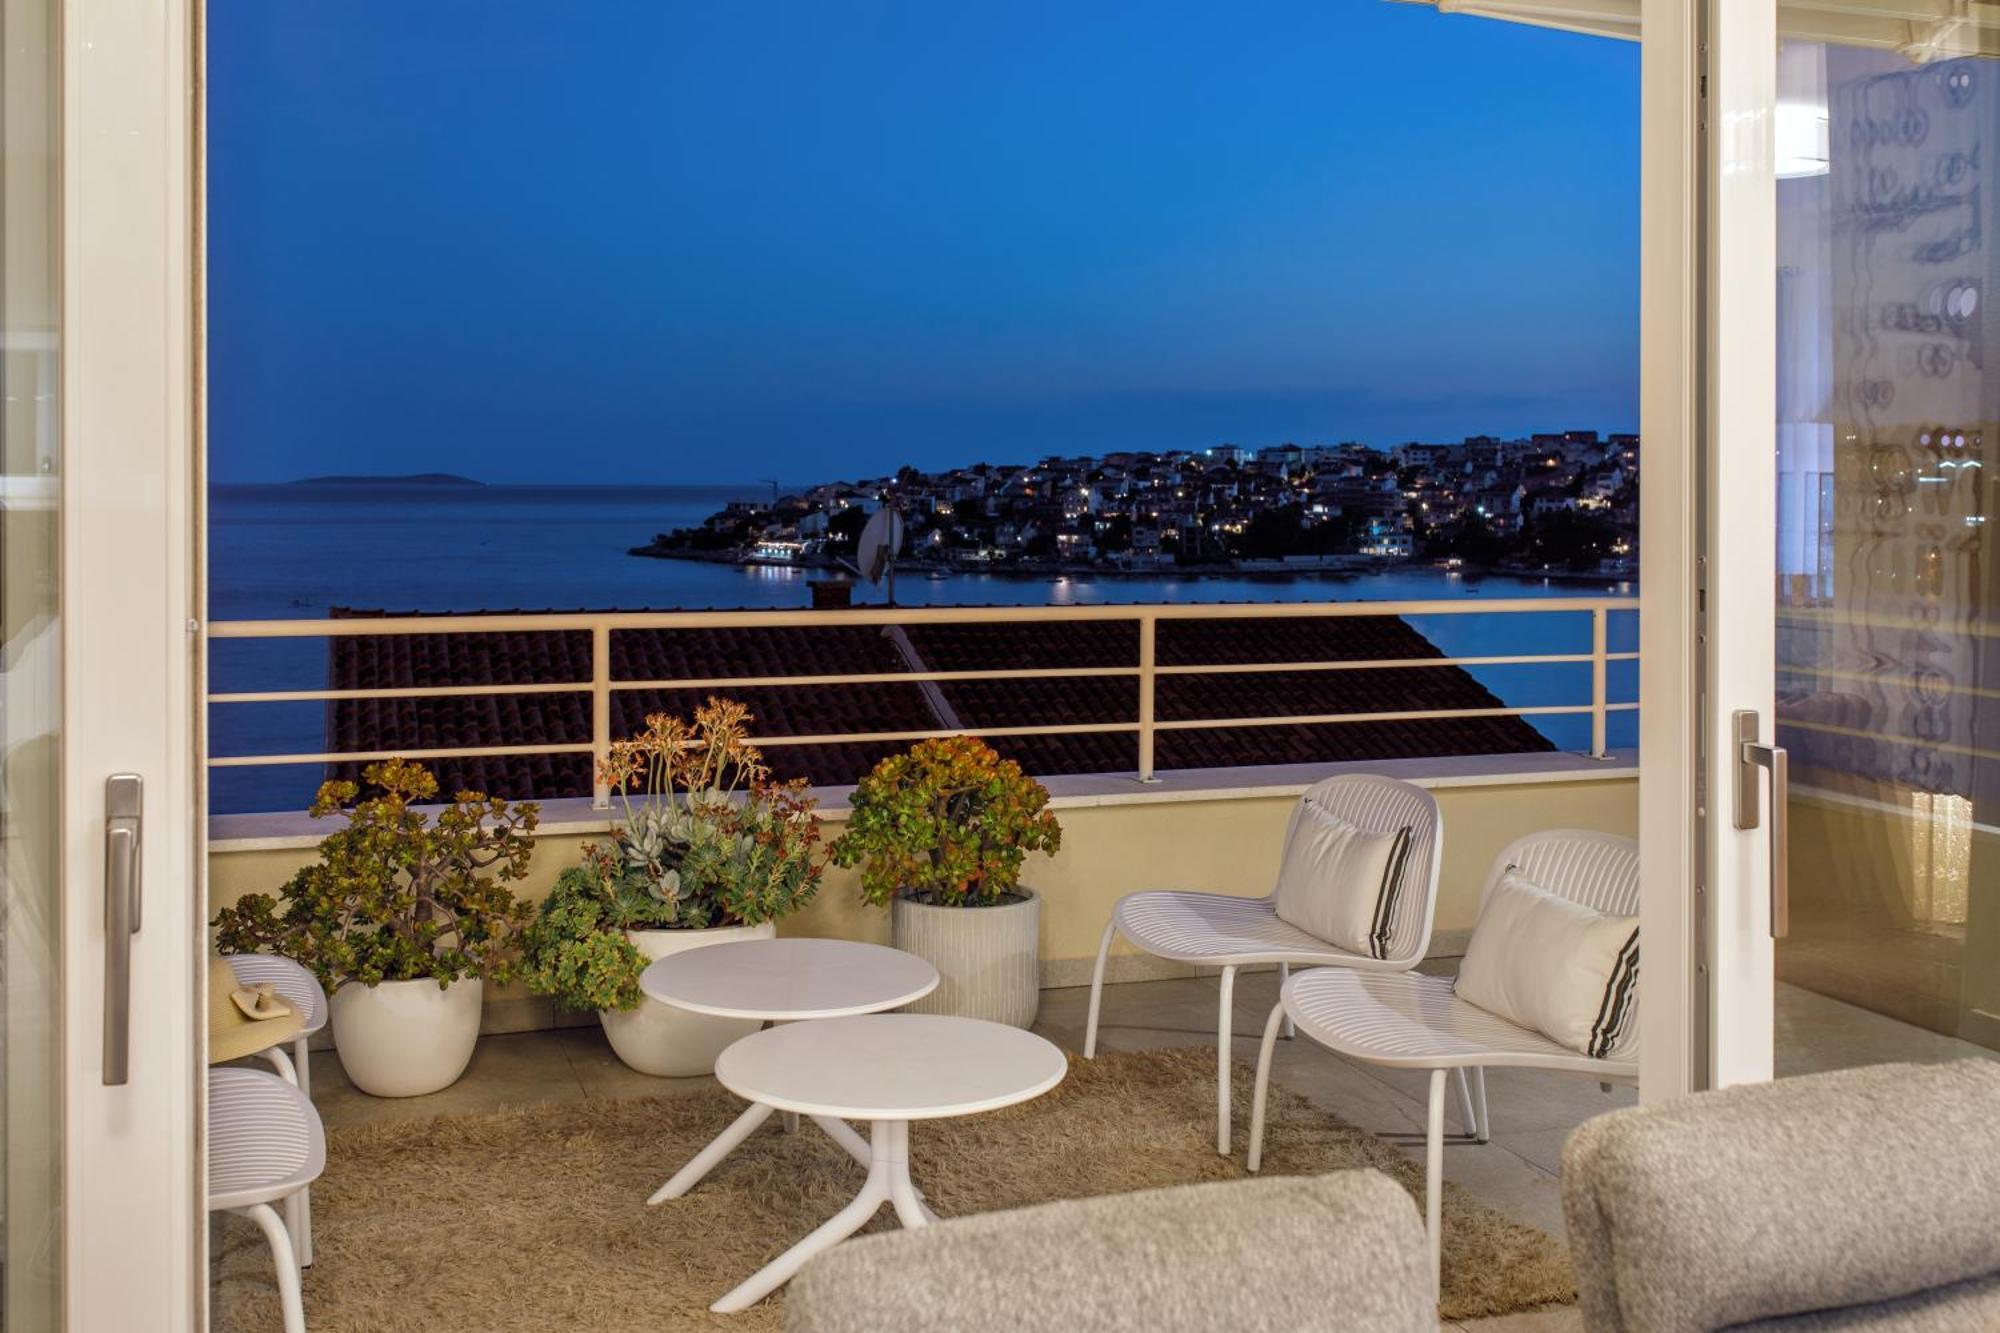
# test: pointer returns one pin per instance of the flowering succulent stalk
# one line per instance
(707, 838)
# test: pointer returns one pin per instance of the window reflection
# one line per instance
(1889, 696)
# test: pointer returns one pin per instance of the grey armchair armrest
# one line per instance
(1345, 1251)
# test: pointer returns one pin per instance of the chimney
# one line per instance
(831, 594)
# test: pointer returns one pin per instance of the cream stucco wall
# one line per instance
(1216, 845)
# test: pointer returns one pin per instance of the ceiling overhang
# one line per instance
(1923, 30)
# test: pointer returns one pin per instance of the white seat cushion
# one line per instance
(1340, 882)
(1218, 929)
(1565, 970)
(1415, 1020)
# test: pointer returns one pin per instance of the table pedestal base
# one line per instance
(888, 1182)
(742, 1128)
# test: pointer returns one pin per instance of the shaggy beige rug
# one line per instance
(537, 1219)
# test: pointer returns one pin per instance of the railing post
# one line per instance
(1148, 637)
(1599, 615)
(600, 714)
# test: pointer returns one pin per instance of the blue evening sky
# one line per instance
(651, 241)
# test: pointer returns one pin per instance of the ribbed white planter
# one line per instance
(406, 1038)
(988, 958)
(666, 1042)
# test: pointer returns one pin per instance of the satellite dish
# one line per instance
(875, 553)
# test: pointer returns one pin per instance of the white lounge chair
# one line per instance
(1216, 930)
(1417, 1021)
(265, 1144)
(302, 990)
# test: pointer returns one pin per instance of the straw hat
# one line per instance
(243, 1020)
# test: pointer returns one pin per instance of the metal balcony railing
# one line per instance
(1146, 668)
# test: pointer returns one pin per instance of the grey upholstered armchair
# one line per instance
(1862, 1199)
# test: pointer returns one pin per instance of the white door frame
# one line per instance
(133, 1182)
(1707, 525)
(1741, 501)
(1669, 431)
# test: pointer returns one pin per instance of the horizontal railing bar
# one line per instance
(868, 737)
(1831, 619)
(873, 678)
(392, 692)
(1859, 734)
(1374, 664)
(1325, 719)
(928, 615)
(375, 756)
(830, 738)
(899, 677)
(1889, 680)
(1052, 673)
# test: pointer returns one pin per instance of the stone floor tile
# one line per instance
(519, 1069)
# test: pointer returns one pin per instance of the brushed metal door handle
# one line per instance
(124, 817)
(1751, 755)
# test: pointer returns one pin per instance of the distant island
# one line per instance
(409, 479)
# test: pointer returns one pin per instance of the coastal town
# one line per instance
(1564, 503)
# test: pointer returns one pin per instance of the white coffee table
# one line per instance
(782, 981)
(887, 1069)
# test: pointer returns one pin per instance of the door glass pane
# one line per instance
(30, 683)
(1888, 660)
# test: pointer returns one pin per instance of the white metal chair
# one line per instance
(265, 1144)
(1216, 930)
(1417, 1021)
(302, 990)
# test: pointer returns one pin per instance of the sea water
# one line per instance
(290, 552)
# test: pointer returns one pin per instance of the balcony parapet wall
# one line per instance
(1215, 830)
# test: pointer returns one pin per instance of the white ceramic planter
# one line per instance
(406, 1038)
(988, 958)
(666, 1042)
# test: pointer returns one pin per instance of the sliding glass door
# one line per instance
(101, 1207)
(31, 1249)
(1888, 633)
(1852, 683)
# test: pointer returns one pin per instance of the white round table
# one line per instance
(782, 981)
(887, 1069)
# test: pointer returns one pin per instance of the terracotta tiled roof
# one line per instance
(555, 657)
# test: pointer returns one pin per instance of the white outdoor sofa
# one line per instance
(1218, 930)
(1416, 1021)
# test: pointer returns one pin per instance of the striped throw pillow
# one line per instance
(1342, 883)
(1565, 970)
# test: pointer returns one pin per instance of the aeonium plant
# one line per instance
(705, 837)
(948, 822)
(397, 895)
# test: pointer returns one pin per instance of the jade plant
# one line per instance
(397, 895)
(948, 822)
(705, 837)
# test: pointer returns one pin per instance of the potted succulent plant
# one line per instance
(403, 918)
(708, 849)
(940, 833)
